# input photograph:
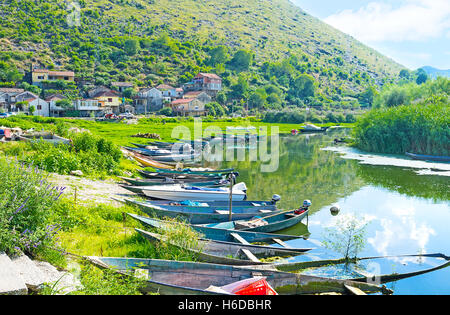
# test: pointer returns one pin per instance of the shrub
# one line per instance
(166, 111)
(25, 200)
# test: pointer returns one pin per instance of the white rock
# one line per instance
(64, 282)
(31, 275)
(10, 281)
(76, 173)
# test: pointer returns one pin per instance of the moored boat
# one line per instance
(236, 236)
(196, 213)
(179, 192)
(191, 278)
(199, 171)
(388, 268)
(229, 253)
(266, 224)
(169, 181)
(145, 161)
(433, 158)
(163, 174)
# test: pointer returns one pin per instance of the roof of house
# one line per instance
(58, 73)
(193, 94)
(208, 75)
(11, 90)
(164, 87)
(122, 84)
(179, 90)
(146, 89)
(28, 92)
(181, 101)
(30, 99)
(106, 93)
(55, 97)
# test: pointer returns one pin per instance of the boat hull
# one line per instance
(445, 159)
(184, 194)
(276, 222)
(219, 234)
(200, 215)
(190, 278)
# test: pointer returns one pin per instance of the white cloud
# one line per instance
(413, 20)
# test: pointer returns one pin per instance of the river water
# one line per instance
(406, 207)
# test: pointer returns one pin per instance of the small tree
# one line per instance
(347, 237)
(32, 109)
(166, 111)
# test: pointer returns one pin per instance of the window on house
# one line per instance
(39, 107)
(40, 77)
(110, 100)
(66, 78)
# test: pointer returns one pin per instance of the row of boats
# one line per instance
(239, 250)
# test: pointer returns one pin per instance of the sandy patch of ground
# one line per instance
(88, 190)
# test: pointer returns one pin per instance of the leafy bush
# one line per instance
(88, 153)
(25, 200)
(166, 111)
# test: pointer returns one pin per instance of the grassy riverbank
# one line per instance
(97, 153)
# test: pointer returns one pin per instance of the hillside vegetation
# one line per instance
(269, 53)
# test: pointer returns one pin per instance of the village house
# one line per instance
(148, 100)
(26, 100)
(109, 100)
(87, 107)
(169, 92)
(187, 107)
(97, 90)
(121, 86)
(200, 95)
(38, 76)
(55, 111)
(8, 97)
(208, 82)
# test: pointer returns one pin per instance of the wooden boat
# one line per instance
(145, 161)
(179, 192)
(43, 136)
(321, 130)
(390, 268)
(433, 158)
(243, 237)
(168, 181)
(149, 152)
(140, 189)
(178, 147)
(199, 171)
(199, 214)
(254, 204)
(162, 174)
(266, 224)
(191, 278)
(176, 157)
(229, 253)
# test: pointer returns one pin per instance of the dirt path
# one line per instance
(88, 190)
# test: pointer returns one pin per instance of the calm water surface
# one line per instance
(406, 213)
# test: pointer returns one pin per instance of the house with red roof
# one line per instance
(208, 82)
(187, 107)
(38, 76)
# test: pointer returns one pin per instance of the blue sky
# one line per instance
(415, 33)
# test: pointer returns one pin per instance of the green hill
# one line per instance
(259, 45)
